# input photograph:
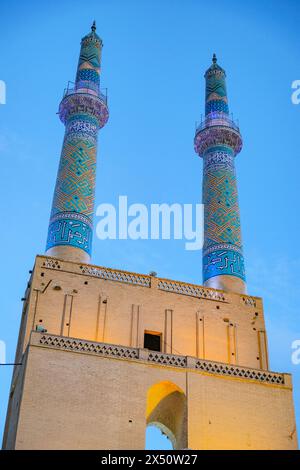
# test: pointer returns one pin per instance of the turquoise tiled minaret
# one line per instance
(218, 141)
(83, 110)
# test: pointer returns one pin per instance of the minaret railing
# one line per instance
(71, 90)
(217, 119)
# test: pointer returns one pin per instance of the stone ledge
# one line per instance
(152, 357)
(144, 280)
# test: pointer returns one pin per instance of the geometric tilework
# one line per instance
(88, 78)
(88, 71)
(84, 103)
(88, 74)
(217, 132)
(65, 231)
(219, 157)
(221, 262)
(221, 216)
(222, 250)
(82, 126)
(90, 52)
(215, 91)
(83, 113)
(220, 199)
(75, 184)
(216, 106)
(215, 85)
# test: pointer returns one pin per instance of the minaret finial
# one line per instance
(214, 59)
(93, 28)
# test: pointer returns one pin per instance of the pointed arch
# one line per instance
(167, 409)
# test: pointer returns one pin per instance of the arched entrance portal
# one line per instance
(166, 409)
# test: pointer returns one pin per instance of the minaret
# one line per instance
(218, 141)
(84, 111)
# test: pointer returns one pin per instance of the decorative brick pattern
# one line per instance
(52, 263)
(143, 280)
(190, 289)
(101, 349)
(167, 359)
(250, 301)
(121, 276)
(243, 372)
(174, 360)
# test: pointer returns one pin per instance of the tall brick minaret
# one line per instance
(84, 111)
(218, 141)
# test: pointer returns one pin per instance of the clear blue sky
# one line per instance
(154, 57)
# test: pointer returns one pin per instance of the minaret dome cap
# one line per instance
(214, 68)
(93, 35)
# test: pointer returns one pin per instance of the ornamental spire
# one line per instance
(84, 111)
(89, 64)
(218, 141)
(215, 91)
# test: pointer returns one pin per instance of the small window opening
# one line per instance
(152, 341)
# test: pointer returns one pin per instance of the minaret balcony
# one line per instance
(217, 119)
(217, 129)
(84, 100)
(86, 89)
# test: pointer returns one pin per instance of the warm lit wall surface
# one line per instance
(83, 401)
(72, 393)
(70, 299)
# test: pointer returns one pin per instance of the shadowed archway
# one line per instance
(166, 409)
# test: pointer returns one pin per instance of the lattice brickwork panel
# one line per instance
(102, 349)
(167, 359)
(121, 276)
(236, 371)
(174, 360)
(190, 289)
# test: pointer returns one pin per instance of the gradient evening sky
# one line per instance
(154, 57)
